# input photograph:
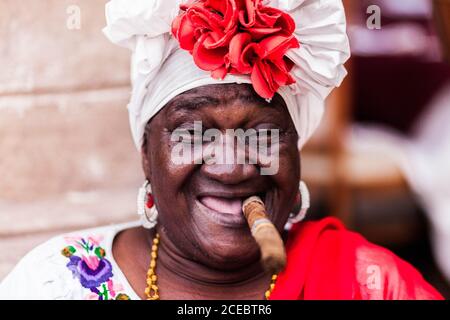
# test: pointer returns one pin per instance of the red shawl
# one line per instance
(327, 262)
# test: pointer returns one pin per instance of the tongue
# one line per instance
(224, 205)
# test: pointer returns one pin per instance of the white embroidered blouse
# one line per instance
(75, 266)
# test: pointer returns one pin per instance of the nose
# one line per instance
(230, 173)
(232, 170)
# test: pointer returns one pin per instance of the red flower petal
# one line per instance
(217, 5)
(206, 59)
(185, 6)
(228, 11)
(286, 23)
(219, 39)
(268, 16)
(275, 18)
(236, 56)
(261, 81)
(251, 54)
(220, 73)
(204, 18)
(247, 14)
(259, 33)
(186, 33)
(277, 46)
(279, 73)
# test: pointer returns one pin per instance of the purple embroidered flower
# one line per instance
(88, 264)
(91, 271)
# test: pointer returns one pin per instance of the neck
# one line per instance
(179, 273)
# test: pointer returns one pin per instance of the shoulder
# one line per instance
(377, 272)
(55, 269)
(380, 274)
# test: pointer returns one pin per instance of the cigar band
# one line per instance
(260, 222)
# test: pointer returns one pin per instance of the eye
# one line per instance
(188, 136)
(253, 137)
(264, 135)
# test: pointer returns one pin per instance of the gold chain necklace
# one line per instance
(152, 290)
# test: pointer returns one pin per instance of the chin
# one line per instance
(228, 252)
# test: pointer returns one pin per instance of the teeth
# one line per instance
(224, 205)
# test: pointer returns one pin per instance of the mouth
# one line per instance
(223, 205)
(226, 209)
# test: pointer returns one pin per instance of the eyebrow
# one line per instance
(192, 102)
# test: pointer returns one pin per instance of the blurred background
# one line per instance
(380, 161)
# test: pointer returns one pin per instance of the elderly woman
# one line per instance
(258, 68)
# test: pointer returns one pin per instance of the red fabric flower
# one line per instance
(239, 37)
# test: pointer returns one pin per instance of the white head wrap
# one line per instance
(160, 70)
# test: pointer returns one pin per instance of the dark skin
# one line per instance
(200, 256)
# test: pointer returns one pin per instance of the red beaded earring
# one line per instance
(146, 206)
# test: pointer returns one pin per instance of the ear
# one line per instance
(145, 159)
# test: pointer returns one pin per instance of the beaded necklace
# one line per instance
(152, 290)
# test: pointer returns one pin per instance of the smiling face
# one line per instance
(200, 204)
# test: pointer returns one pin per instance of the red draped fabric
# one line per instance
(327, 262)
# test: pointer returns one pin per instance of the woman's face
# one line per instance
(199, 204)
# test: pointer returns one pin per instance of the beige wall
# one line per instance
(66, 154)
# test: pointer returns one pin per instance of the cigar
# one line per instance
(273, 254)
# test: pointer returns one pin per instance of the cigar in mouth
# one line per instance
(273, 254)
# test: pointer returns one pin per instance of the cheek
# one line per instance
(287, 182)
(167, 178)
(289, 168)
(164, 171)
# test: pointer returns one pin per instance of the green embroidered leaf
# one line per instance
(100, 252)
(105, 292)
(68, 251)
